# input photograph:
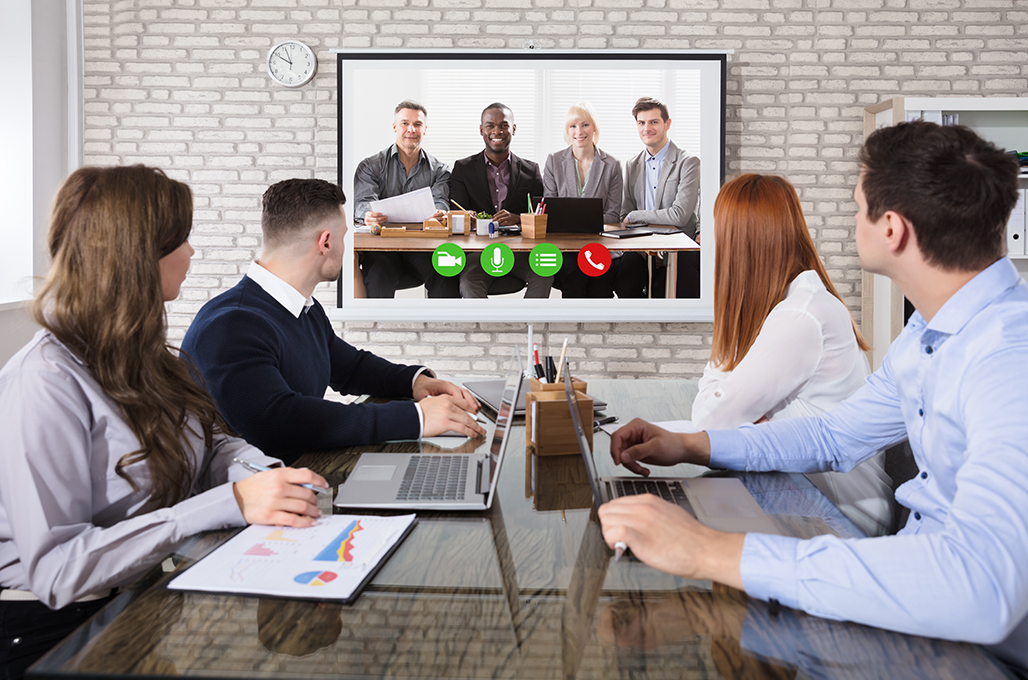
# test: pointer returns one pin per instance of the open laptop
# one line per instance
(490, 393)
(721, 503)
(574, 215)
(461, 481)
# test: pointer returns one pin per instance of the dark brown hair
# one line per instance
(956, 189)
(762, 245)
(103, 300)
(647, 103)
(294, 206)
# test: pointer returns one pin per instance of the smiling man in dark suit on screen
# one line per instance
(496, 181)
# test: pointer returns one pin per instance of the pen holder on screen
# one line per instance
(533, 226)
(461, 222)
(548, 424)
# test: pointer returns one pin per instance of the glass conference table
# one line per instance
(525, 590)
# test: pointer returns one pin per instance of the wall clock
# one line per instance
(291, 63)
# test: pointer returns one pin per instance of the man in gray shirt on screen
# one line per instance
(401, 168)
(662, 186)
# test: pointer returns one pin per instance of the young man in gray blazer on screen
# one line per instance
(662, 186)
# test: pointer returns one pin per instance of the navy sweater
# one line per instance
(268, 371)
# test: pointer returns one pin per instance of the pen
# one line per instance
(605, 421)
(529, 197)
(619, 549)
(257, 467)
(551, 370)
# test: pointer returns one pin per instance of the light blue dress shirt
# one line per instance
(958, 388)
(652, 176)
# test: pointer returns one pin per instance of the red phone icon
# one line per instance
(594, 260)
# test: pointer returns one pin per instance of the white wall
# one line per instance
(184, 87)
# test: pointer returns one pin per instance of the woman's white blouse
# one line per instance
(69, 525)
(805, 361)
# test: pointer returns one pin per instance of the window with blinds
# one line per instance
(540, 100)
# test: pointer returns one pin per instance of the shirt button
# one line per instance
(717, 394)
(917, 515)
(920, 412)
(16, 641)
(924, 475)
(928, 349)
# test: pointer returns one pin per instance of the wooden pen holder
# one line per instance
(462, 222)
(548, 424)
(533, 226)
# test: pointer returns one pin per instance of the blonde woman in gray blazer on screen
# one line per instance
(583, 170)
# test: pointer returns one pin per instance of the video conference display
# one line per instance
(537, 88)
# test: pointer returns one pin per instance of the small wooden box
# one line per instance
(426, 230)
(548, 425)
(576, 384)
(533, 226)
(461, 222)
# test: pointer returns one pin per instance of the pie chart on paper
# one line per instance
(315, 578)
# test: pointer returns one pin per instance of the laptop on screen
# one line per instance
(414, 481)
(721, 503)
(574, 215)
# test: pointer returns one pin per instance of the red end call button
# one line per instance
(594, 260)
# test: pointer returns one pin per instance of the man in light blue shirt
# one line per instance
(933, 206)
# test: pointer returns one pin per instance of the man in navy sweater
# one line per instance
(267, 351)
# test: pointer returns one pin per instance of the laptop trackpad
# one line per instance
(373, 473)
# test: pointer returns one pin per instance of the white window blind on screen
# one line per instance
(540, 100)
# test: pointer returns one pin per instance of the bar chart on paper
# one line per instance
(330, 560)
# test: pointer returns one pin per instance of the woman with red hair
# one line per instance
(784, 344)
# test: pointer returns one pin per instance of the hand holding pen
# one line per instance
(280, 496)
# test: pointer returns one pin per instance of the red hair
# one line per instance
(762, 245)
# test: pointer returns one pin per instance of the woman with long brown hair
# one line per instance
(112, 454)
(784, 344)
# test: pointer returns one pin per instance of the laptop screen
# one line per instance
(504, 416)
(583, 441)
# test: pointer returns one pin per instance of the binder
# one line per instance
(1016, 227)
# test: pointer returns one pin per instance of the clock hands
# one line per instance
(282, 56)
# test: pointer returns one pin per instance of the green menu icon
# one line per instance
(545, 259)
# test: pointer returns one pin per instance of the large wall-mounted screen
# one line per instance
(394, 274)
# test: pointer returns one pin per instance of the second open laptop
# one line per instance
(574, 215)
(721, 503)
(462, 481)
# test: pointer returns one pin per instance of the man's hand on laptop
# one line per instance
(445, 414)
(427, 386)
(643, 442)
(668, 538)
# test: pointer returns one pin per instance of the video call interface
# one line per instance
(537, 91)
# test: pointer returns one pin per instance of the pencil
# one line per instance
(560, 364)
(459, 205)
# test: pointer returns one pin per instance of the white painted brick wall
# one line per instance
(182, 85)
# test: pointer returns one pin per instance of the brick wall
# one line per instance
(182, 85)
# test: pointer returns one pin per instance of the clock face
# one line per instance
(291, 63)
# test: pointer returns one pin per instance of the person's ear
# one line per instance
(324, 244)
(897, 231)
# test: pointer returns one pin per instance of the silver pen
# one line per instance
(619, 550)
(257, 467)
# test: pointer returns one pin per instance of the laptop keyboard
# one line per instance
(434, 478)
(669, 491)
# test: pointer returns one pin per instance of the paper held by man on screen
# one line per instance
(330, 561)
(414, 206)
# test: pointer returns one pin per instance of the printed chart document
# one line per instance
(413, 206)
(330, 561)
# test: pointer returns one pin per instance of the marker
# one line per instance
(257, 467)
